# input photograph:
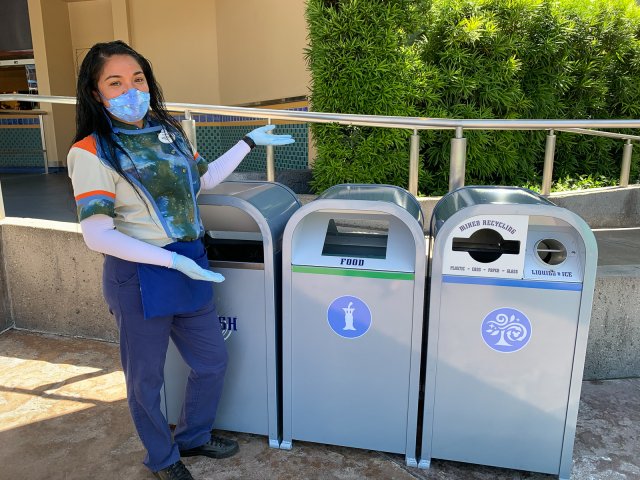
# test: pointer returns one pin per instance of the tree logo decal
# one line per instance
(506, 330)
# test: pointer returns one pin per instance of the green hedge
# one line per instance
(470, 59)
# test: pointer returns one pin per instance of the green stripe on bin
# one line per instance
(345, 272)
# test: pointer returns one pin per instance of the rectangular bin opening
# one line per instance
(360, 239)
(234, 250)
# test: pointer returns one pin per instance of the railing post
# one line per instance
(414, 153)
(547, 170)
(458, 159)
(271, 162)
(44, 147)
(626, 164)
(189, 127)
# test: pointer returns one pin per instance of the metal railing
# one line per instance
(415, 124)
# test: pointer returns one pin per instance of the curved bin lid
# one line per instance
(379, 193)
(269, 204)
(269, 198)
(481, 195)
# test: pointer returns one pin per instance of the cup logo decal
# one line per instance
(349, 317)
(506, 330)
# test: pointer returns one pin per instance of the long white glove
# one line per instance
(224, 165)
(101, 236)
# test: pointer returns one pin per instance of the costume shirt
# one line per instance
(163, 208)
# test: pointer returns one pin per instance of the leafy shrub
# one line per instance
(471, 59)
(361, 63)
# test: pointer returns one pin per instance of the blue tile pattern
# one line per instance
(18, 146)
(213, 141)
(19, 121)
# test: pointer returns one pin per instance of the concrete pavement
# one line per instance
(63, 416)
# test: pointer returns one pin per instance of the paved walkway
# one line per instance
(48, 197)
(63, 416)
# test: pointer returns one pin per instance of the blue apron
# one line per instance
(167, 292)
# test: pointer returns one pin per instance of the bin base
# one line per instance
(288, 445)
(411, 462)
(273, 443)
(424, 464)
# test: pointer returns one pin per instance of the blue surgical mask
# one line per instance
(131, 106)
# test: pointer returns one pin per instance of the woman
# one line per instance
(135, 181)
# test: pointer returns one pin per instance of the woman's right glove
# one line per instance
(261, 136)
(192, 270)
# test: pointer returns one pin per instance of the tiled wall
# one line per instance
(20, 143)
(214, 141)
(217, 133)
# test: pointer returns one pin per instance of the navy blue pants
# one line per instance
(143, 349)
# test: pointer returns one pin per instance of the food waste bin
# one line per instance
(353, 291)
(244, 223)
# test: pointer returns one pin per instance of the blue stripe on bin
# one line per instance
(506, 282)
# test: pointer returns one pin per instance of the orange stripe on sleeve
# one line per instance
(95, 192)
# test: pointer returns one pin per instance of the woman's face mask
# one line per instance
(131, 106)
(123, 86)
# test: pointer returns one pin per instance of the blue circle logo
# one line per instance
(349, 317)
(506, 330)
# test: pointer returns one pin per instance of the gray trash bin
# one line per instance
(512, 280)
(244, 223)
(353, 292)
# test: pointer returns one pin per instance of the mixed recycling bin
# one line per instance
(512, 280)
(353, 291)
(244, 223)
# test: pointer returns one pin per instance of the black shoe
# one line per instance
(216, 447)
(177, 471)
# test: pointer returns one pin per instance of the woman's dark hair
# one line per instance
(91, 116)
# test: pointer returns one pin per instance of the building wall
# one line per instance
(90, 22)
(261, 50)
(213, 52)
(51, 35)
(182, 45)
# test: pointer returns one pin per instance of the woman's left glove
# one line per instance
(261, 136)
(192, 270)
